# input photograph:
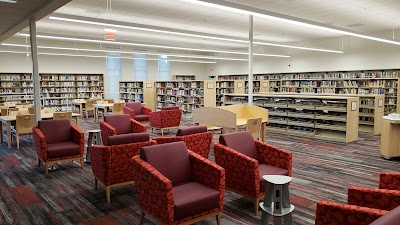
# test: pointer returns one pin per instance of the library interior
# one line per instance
(200, 112)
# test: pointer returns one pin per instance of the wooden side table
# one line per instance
(277, 200)
(94, 138)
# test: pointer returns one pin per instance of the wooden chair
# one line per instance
(17, 112)
(4, 111)
(23, 105)
(24, 125)
(118, 108)
(109, 100)
(62, 116)
(31, 110)
(254, 127)
(48, 110)
(89, 107)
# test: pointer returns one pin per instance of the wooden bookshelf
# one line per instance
(333, 118)
(131, 91)
(188, 95)
(57, 90)
(183, 77)
(223, 87)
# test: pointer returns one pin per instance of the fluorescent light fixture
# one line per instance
(110, 30)
(101, 56)
(9, 1)
(149, 46)
(238, 8)
(127, 52)
(101, 22)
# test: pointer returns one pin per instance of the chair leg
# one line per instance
(39, 162)
(95, 183)
(81, 161)
(142, 217)
(108, 190)
(17, 139)
(218, 218)
(46, 167)
(256, 203)
(162, 132)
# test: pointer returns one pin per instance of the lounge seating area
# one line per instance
(187, 176)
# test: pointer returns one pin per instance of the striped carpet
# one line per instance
(321, 171)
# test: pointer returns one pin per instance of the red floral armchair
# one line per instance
(121, 125)
(112, 165)
(58, 141)
(137, 111)
(176, 186)
(246, 160)
(165, 119)
(365, 205)
(196, 138)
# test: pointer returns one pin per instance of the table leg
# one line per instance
(81, 109)
(263, 131)
(78, 119)
(223, 130)
(95, 114)
(9, 133)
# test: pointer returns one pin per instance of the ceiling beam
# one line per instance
(37, 12)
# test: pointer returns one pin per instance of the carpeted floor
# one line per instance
(321, 171)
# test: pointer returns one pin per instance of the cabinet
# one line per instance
(333, 118)
(57, 90)
(188, 95)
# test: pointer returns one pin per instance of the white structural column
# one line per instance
(35, 70)
(250, 78)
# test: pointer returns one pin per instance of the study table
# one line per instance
(104, 106)
(8, 120)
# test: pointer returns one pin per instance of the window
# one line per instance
(114, 74)
(163, 68)
(140, 67)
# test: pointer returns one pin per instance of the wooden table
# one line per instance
(243, 122)
(390, 141)
(7, 120)
(80, 104)
(101, 106)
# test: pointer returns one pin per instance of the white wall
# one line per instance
(359, 54)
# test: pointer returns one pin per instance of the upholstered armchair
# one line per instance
(112, 165)
(196, 138)
(137, 111)
(121, 125)
(365, 205)
(176, 186)
(246, 160)
(58, 141)
(167, 118)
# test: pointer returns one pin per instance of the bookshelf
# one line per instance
(188, 95)
(368, 82)
(131, 91)
(333, 118)
(183, 77)
(57, 90)
(223, 87)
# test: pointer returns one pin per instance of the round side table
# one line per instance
(277, 200)
(94, 138)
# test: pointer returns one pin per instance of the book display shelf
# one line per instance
(333, 118)
(188, 95)
(131, 91)
(57, 90)
(375, 82)
(183, 77)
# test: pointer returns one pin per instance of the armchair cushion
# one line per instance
(169, 107)
(171, 160)
(136, 106)
(191, 130)
(264, 169)
(63, 149)
(128, 138)
(192, 198)
(63, 132)
(142, 117)
(121, 123)
(392, 218)
(242, 142)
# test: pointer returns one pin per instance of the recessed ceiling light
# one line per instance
(110, 30)
(9, 1)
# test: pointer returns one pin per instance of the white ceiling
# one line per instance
(366, 16)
